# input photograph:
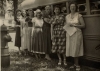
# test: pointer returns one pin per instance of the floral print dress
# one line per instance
(58, 34)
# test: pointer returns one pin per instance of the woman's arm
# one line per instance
(16, 21)
(33, 21)
(46, 20)
(33, 28)
(82, 23)
(21, 27)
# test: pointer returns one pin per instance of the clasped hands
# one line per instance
(72, 25)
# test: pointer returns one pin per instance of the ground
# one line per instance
(30, 63)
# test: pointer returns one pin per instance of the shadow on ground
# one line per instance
(28, 63)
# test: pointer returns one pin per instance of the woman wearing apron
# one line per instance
(37, 34)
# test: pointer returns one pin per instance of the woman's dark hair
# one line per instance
(27, 12)
(30, 10)
(18, 11)
(9, 0)
(57, 6)
(75, 5)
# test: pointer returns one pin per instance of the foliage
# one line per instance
(30, 63)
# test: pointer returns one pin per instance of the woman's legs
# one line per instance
(19, 50)
(64, 56)
(39, 56)
(76, 61)
(26, 51)
(76, 64)
(47, 57)
(59, 57)
(36, 55)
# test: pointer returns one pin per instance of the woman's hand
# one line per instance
(17, 25)
(71, 25)
(46, 20)
(75, 25)
(52, 37)
(18, 19)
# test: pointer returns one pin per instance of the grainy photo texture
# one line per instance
(50, 35)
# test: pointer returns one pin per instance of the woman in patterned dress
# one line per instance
(74, 41)
(58, 35)
(37, 34)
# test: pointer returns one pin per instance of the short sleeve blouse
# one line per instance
(37, 22)
(74, 20)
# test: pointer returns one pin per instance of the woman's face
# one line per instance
(19, 13)
(30, 12)
(39, 14)
(24, 13)
(10, 12)
(10, 1)
(48, 10)
(72, 8)
(57, 10)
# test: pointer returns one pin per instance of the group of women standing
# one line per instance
(45, 34)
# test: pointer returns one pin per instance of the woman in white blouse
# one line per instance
(74, 37)
(37, 34)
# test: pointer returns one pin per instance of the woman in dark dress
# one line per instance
(46, 31)
(18, 30)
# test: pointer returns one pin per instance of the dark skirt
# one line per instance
(47, 37)
(37, 42)
(18, 37)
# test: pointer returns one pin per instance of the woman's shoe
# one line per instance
(19, 53)
(78, 68)
(39, 56)
(36, 56)
(65, 62)
(59, 63)
(71, 67)
(48, 58)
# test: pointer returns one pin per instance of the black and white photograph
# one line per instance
(50, 35)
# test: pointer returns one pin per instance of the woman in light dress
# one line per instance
(37, 34)
(29, 22)
(74, 37)
(24, 34)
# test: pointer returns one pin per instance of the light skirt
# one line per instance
(29, 39)
(24, 38)
(74, 44)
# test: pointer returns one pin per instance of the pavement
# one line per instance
(11, 44)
